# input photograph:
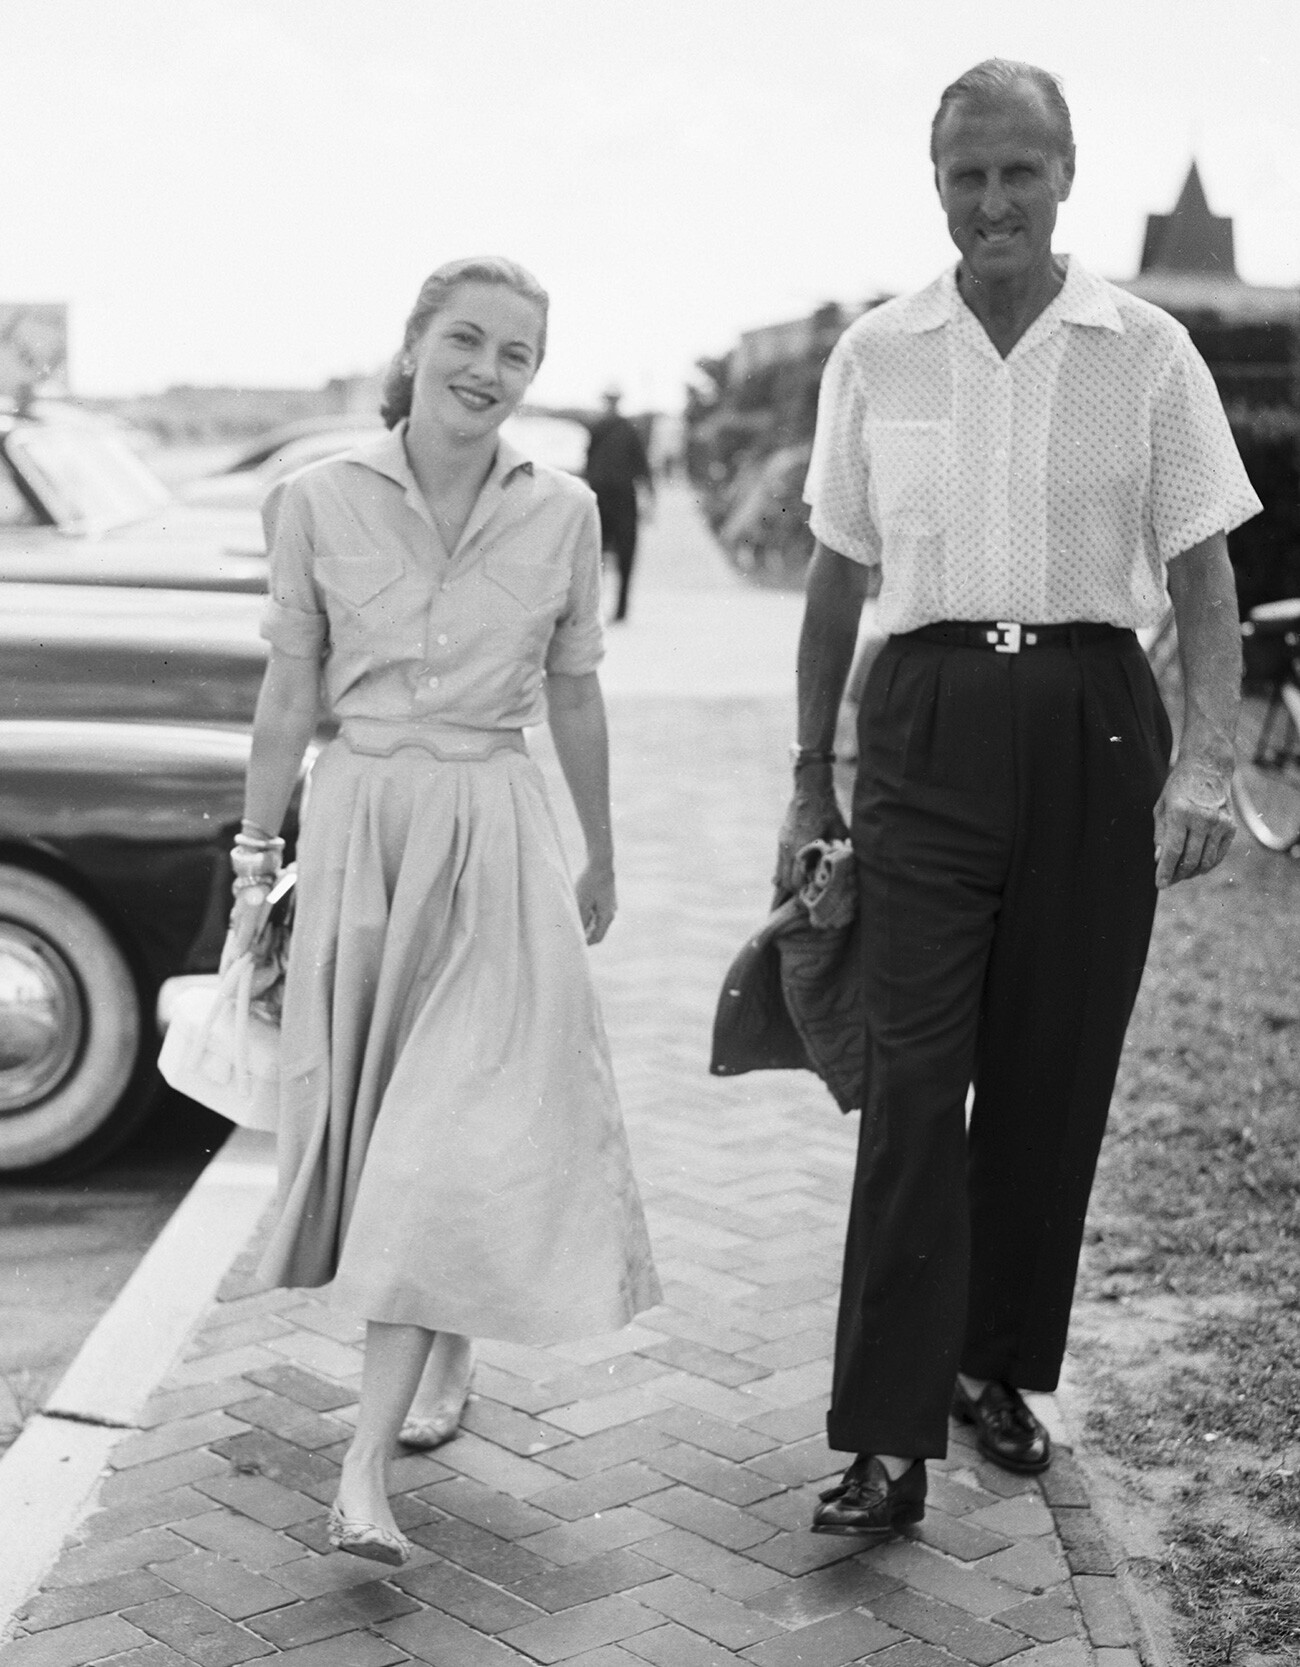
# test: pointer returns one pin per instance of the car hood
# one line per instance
(176, 550)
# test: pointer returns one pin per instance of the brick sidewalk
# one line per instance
(639, 1498)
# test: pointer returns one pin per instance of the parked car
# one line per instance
(124, 737)
(79, 506)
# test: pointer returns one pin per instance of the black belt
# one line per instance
(1009, 637)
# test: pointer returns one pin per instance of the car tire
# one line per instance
(76, 1047)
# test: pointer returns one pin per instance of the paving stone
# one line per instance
(1085, 1547)
(1105, 1613)
(1003, 1482)
(933, 1622)
(712, 1565)
(445, 1642)
(1063, 1482)
(496, 1468)
(290, 1421)
(598, 1577)
(178, 1436)
(1020, 1518)
(148, 1655)
(226, 1363)
(153, 1511)
(713, 1434)
(707, 1362)
(1068, 1652)
(802, 1551)
(165, 1404)
(788, 1424)
(603, 1412)
(710, 1518)
(259, 1453)
(804, 1461)
(734, 1483)
(263, 1500)
(1033, 1565)
(685, 1389)
(63, 1605)
(828, 1643)
(954, 1497)
(602, 1492)
(916, 1565)
(237, 1537)
(227, 1587)
(456, 1592)
(509, 1428)
(585, 1627)
(693, 1328)
(604, 1451)
(318, 1316)
(1130, 1658)
(797, 1349)
(315, 1577)
(674, 1646)
(317, 1354)
(1044, 1619)
(196, 1631)
(912, 1654)
(791, 1508)
(309, 1389)
(125, 1487)
(575, 1542)
(608, 1655)
(719, 1619)
(498, 1513)
(502, 1561)
(334, 1613)
(84, 1564)
(351, 1649)
(71, 1646)
(236, 1332)
(964, 1540)
(828, 1591)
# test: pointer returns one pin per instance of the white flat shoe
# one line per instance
(437, 1429)
(366, 1539)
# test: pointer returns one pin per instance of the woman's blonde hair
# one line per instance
(435, 292)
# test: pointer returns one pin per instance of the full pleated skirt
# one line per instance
(451, 1152)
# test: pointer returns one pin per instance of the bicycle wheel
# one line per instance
(1266, 786)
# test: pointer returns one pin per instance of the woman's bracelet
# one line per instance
(256, 864)
(251, 882)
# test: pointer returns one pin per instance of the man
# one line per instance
(616, 464)
(1020, 461)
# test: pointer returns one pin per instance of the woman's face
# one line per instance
(475, 359)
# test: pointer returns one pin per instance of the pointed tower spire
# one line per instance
(1191, 239)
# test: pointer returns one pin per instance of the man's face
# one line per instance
(1001, 178)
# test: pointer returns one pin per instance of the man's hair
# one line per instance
(988, 82)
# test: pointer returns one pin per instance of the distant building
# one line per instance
(795, 339)
(1249, 334)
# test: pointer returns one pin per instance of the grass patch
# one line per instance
(1197, 1212)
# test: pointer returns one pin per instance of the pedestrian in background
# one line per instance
(616, 466)
(451, 1151)
(1024, 464)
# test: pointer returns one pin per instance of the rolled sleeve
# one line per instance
(293, 618)
(838, 483)
(578, 643)
(1199, 485)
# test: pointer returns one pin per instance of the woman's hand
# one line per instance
(247, 918)
(597, 901)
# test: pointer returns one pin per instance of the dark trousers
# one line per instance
(618, 528)
(1003, 825)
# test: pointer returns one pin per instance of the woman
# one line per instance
(451, 1150)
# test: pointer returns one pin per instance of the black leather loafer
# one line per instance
(866, 1503)
(1005, 1429)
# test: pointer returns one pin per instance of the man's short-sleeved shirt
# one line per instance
(405, 629)
(1049, 486)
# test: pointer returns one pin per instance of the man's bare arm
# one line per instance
(1193, 822)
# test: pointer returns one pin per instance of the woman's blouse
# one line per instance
(1052, 485)
(408, 631)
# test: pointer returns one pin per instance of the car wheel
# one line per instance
(73, 1033)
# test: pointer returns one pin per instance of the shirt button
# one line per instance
(442, 642)
(433, 682)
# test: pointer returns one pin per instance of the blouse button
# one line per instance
(442, 641)
(433, 682)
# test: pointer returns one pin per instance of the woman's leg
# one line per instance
(445, 1384)
(394, 1359)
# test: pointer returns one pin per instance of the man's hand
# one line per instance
(1194, 822)
(813, 813)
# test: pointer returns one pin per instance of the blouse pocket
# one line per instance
(907, 464)
(538, 586)
(358, 579)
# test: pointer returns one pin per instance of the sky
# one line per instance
(251, 191)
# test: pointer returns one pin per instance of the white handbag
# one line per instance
(223, 1053)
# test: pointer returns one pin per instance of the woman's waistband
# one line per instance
(381, 737)
(1010, 637)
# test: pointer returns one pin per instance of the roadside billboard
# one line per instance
(33, 347)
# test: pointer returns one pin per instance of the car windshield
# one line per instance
(86, 477)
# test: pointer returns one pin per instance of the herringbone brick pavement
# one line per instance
(640, 1498)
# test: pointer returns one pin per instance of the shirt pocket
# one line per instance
(907, 462)
(536, 585)
(358, 579)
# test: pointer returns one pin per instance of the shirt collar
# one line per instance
(1082, 299)
(387, 456)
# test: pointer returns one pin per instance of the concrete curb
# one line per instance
(49, 1476)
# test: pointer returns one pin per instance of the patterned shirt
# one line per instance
(1049, 486)
(408, 630)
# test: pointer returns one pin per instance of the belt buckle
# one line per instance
(1005, 636)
